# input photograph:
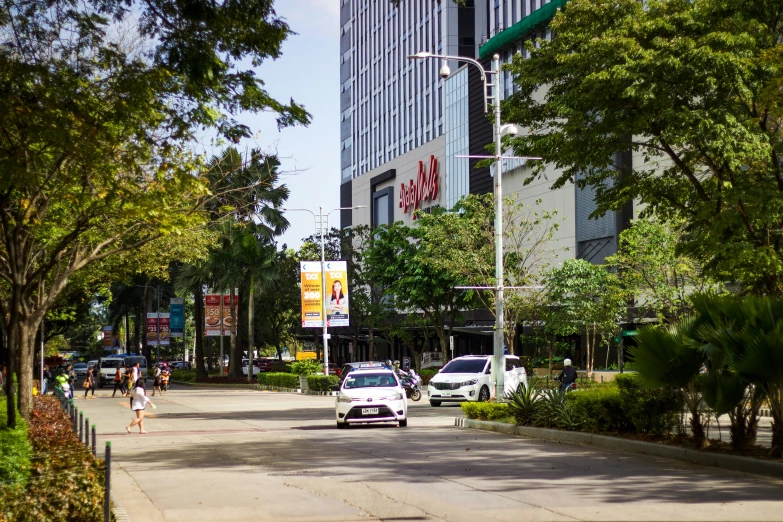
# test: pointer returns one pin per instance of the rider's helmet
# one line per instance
(567, 362)
(388, 362)
(396, 363)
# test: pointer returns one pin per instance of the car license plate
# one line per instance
(446, 394)
(369, 411)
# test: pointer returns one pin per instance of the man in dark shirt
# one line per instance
(568, 376)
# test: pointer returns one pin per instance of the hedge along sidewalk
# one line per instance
(730, 462)
(257, 387)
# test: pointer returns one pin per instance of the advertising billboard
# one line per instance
(336, 293)
(164, 329)
(152, 328)
(212, 315)
(177, 311)
(312, 306)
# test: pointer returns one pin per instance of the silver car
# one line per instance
(81, 369)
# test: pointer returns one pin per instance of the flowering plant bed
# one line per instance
(66, 483)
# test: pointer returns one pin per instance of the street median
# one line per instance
(730, 462)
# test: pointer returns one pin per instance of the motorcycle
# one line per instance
(412, 385)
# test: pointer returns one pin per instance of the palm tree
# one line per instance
(663, 358)
(250, 189)
(193, 278)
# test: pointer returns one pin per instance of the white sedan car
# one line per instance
(371, 395)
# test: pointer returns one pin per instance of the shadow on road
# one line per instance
(490, 462)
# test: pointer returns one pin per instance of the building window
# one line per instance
(382, 209)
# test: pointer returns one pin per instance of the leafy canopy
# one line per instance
(693, 89)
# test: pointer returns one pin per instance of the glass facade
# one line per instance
(457, 137)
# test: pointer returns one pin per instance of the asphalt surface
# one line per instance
(245, 455)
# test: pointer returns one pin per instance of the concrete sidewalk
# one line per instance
(243, 455)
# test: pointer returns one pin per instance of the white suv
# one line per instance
(468, 378)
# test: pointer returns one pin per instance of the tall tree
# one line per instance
(94, 136)
(584, 297)
(660, 280)
(397, 260)
(692, 88)
(462, 242)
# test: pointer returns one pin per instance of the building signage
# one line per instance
(423, 188)
(107, 337)
(312, 305)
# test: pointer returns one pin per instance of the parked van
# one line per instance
(108, 368)
(109, 365)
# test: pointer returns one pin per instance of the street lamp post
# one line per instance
(498, 363)
(319, 218)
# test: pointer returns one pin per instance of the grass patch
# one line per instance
(15, 450)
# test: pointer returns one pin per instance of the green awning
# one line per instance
(519, 30)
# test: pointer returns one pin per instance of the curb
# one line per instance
(295, 390)
(214, 385)
(729, 462)
(120, 515)
(256, 387)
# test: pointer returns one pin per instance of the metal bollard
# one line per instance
(107, 485)
(81, 426)
(87, 432)
(94, 452)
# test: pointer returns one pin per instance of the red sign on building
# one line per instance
(423, 188)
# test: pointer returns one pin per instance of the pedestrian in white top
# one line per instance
(136, 373)
(139, 401)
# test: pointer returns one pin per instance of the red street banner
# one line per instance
(212, 315)
(152, 328)
(164, 329)
(228, 320)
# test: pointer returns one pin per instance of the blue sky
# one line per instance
(308, 72)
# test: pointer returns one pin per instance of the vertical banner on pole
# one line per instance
(177, 319)
(107, 338)
(311, 294)
(212, 326)
(336, 293)
(152, 328)
(164, 329)
(228, 320)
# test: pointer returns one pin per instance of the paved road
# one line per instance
(243, 455)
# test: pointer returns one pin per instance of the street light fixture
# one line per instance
(319, 224)
(498, 366)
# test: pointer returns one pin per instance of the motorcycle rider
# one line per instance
(568, 376)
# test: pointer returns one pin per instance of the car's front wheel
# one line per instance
(342, 425)
(403, 423)
(483, 395)
(435, 403)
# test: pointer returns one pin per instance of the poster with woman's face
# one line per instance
(337, 293)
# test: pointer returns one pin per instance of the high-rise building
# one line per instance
(392, 106)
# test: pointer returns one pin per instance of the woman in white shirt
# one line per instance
(139, 401)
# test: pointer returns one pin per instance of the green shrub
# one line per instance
(278, 379)
(548, 408)
(427, 374)
(523, 404)
(15, 450)
(66, 481)
(183, 375)
(322, 383)
(485, 410)
(651, 411)
(600, 409)
(306, 367)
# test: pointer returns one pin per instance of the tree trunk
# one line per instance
(235, 361)
(137, 331)
(148, 304)
(250, 329)
(11, 358)
(198, 317)
(26, 350)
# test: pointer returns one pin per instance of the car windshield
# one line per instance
(370, 380)
(465, 366)
(80, 365)
(112, 363)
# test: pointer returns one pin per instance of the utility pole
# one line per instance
(323, 292)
